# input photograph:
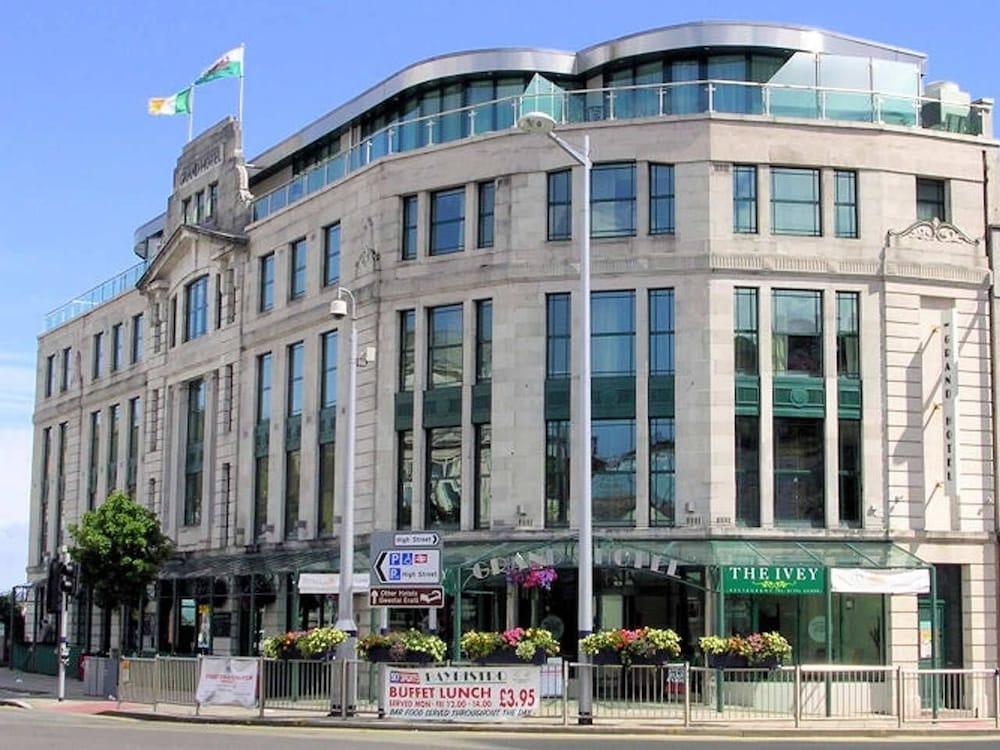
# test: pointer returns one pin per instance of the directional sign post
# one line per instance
(406, 569)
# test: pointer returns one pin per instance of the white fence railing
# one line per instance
(671, 693)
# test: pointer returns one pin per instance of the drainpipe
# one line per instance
(991, 233)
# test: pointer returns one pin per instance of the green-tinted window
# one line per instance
(797, 334)
(799, 486)
(558, 338)
(612, 200)
(744, 199)
(444, 350)
(448, 221)
(444, 478)
(662, 473)
(484, 471)
(409, 246)
(484, 340)
(845, 203)
(848, 345)
(661, 332)
(407, 346)
(487, 200)
(795, 202)
(560, 203)
(557, 478)
(661, 198)
(612, 342)
(748, 470)
(745, 330)
(404, 480)
(613, 471)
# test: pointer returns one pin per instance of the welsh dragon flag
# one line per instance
(178, 104)
(230, 65)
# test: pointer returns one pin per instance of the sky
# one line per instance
(82, 164)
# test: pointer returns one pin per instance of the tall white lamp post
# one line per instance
(541, 122)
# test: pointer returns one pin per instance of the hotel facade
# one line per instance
(792, 354)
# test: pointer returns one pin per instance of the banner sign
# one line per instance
(874, 581)
(461, 693)
(225, 681)
(773, 579)
(949, 389)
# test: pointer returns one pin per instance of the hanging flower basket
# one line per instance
(534, 577)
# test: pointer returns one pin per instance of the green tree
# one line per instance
(119, 548)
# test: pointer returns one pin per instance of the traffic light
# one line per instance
(67, 577)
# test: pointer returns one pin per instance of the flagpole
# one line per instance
(191, 114)
(243, 67)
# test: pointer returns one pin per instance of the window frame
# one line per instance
(750, 199)
(596, 203)
(486, 214)
(776, 334)
(329, 348)
(558, 339)
(436, 349)
(553, 205)
(265, 283)
(409, 225)
(748, 333)
(778, 204)
(667, 334)
(196, 308)
(407, 350)
(138, 338)
(599, 337)
(295, 382)
(331, 259)
(657, 517)
(452, 520)
(849, 336)
(941, 186)
(298, 269)
(436, 223)
(97, 355)
(667, 198)
(484, 340)
(842, 205)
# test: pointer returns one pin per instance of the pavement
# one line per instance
(33, 692)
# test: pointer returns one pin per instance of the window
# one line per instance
(558, 336)
(331, 255)
(744, 199)
(186, 211)
(173, 321)
(487, 201)
(484, 340)
(407, 347)
(845, 203)
(613, 471)
(798, 332)
(263, 388)
(557, 473)
(64, 379)
(795, 202)
(213, 200)
(404, 480)
(267, 282)
(612, 338)
(43, 525)
(484, 471)
(931, 203)
(327, 487)
(849, 450)
(297, 279)
(410, 213)
(661, 198)
(662, 470)
(194, 453)
(848, 348)
(219, 296)
(444, 478)
(444, 346)
(117, 347)
(114, 428)
(132, 455)
(199, 205)
(137, 338)
(50, 374)
(612, 200)
(196, 308)
(798, 472)
(560, 201)
(294, 394)
(745, 330)
(98, 356)
(328, 381)
(95, 450)
(661, 332)
(61, 479)
(260, 481)
(748, 470)
(293, 473)
(447, 221)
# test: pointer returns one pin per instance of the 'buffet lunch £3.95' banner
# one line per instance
(461, 693)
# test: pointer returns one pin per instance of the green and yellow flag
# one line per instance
(178, 104)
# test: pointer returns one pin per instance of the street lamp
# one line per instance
(541, 122)
(345, 592)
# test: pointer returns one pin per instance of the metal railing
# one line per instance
(106, 291)
(677, 694)
(632, 102)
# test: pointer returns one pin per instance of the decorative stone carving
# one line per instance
(368, 260)
(934, 230)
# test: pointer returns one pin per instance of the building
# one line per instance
(790, 275)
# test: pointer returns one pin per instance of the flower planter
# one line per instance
(768, 662)
(383, 654)
(657, 658)
(606, 658)
(727, 661)
(287, 654)
(509, 656)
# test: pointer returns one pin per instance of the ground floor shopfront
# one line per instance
(229, 604)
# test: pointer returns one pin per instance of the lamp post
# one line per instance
(345, 591)
(541, 122)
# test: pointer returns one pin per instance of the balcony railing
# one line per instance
(113, 287)
(632, 102)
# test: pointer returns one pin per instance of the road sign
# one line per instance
(413, 597)
(418, 567)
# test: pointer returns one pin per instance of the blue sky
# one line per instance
(83, 165)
